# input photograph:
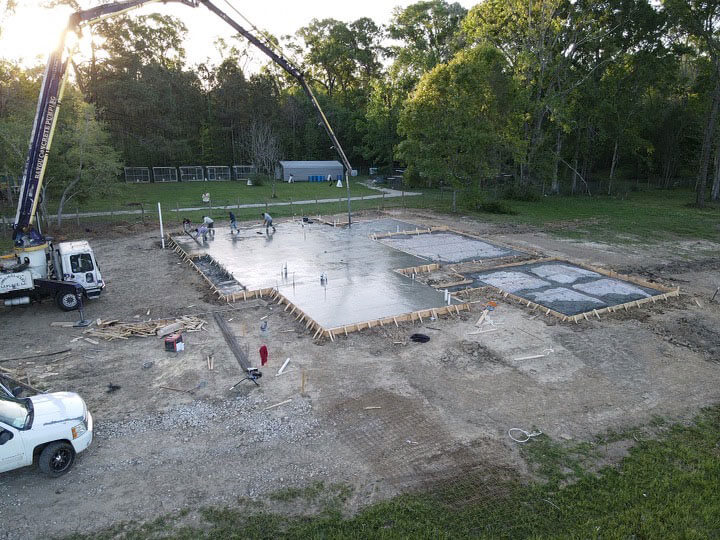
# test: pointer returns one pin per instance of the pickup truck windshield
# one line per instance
(13, 413)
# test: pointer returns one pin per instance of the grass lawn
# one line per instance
(646, 216)
(189, 194)
(665, 488)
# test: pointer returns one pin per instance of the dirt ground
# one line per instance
(379, 414)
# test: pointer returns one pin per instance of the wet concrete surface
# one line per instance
(562, 286)
(361, 282)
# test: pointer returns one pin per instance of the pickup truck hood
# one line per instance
(57, 407)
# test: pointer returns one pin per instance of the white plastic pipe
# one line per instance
(282, 369)
(162, 232)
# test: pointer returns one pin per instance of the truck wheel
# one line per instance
(67, 301)
(56, 458)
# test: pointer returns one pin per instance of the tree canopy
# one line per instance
(550, 93)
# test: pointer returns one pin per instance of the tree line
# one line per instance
(552, 96)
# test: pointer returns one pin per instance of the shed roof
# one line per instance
(310, 164)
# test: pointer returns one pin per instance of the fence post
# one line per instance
(77, 215)
(403, 197)
(177, 210)
(266, 207)
(238, 203)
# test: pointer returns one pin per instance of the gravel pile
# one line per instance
(291, 422)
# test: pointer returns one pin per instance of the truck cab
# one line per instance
(76, 262)
(48, 430)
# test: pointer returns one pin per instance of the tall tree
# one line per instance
(82, 163)
(460, 124)
(429, 34)
(699, 22)
(341, 56)
(154, 108)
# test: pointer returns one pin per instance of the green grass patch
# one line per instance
(647, 216)
(665, 488)
(189, 194)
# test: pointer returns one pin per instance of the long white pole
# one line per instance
(162, 233)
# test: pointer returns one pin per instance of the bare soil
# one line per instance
(377, 413)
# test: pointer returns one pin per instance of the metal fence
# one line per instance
(165, 174)
(137, 175)
(244, 172)
(191, 173)
(218, 172)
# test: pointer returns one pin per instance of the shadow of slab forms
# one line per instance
(569, 289)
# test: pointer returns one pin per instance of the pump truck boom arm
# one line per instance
(46, 116)
(51, 96)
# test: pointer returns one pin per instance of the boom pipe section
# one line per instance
(46, 115)
(40, 140)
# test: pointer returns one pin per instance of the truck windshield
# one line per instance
(82, 262)
(13, 413)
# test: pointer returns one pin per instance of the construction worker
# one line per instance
(202, 230)
(267, 222)
(210, 224)
(233, 224)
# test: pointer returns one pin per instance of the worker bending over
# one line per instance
(267, 222)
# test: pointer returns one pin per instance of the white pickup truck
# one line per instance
(45, 429)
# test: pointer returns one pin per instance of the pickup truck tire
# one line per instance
(67, 301)
(56, 458)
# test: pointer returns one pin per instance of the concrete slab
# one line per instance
(361, 282)
(448, 246)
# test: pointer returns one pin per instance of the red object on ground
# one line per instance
(263, 355)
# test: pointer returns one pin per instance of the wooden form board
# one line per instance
(185, 257)
(422, 269)
(309, 322)
(666, 292)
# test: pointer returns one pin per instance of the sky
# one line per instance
(33, 31)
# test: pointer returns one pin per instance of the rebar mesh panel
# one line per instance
(218, 172)
(165, 174)
(137, 174)
(191, 174)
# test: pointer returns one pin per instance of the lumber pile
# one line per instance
(114, 329)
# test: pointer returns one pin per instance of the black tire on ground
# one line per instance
(56, 458)
(67, 301)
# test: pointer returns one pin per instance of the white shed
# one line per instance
(309, 171)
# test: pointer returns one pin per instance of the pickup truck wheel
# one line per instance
(67, 301)
(56, 458)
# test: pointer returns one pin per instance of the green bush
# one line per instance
(496, 207)
(518, 192)
(412, 178)
(259, 179)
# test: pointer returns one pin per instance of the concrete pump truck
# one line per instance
(68, 271)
